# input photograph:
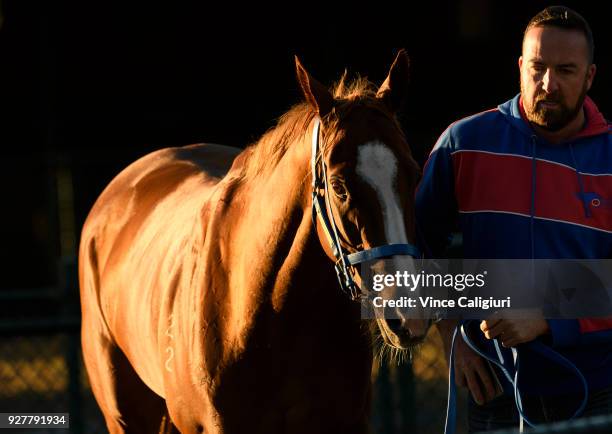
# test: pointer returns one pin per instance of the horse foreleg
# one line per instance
(128, 405)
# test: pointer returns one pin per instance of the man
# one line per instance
(521, 180)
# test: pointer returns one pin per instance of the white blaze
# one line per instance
(377, 166)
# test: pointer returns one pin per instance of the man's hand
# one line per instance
(471, 370)
(514, 330)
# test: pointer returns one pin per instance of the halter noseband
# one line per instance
(320, 206)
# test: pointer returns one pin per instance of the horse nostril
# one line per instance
(396, 326)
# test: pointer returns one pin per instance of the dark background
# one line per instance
(87, 87)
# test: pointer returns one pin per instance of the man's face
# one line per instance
(555, 75)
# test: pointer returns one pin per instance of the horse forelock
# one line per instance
(358, 88)
(353, 97)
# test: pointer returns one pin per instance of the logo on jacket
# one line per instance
(595, 201)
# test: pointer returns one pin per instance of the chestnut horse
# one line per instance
(207, 289)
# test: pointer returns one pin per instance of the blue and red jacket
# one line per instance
(515, 196)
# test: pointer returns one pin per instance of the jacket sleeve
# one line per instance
(570, 332)
(436, 206)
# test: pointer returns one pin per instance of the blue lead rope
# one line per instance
(535, 346)
(451, 401)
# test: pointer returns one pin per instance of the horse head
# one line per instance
(364, 178)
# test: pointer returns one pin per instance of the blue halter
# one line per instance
(320, 210)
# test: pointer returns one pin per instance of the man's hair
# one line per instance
(563, 18)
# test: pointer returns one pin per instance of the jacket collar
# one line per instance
(595, 122)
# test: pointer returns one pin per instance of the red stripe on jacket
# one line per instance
(501, 182)
(594, 324)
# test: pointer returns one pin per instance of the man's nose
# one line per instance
(549, 81)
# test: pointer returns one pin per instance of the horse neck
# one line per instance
(270, 274)
(274, 257)
(275, 211)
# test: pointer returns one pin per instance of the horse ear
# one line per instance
(395, 87)
(315, 93)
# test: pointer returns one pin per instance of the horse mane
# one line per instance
(263, 155)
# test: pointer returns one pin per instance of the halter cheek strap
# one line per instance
(321, 211)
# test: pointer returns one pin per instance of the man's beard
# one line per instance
(549, 118)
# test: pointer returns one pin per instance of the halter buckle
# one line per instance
(347, 284)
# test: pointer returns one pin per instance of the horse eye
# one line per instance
(339, 190)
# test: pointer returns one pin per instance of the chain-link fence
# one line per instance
(41, 372)
(590, 425)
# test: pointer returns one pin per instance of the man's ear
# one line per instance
(592, 69)
(317, 95)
